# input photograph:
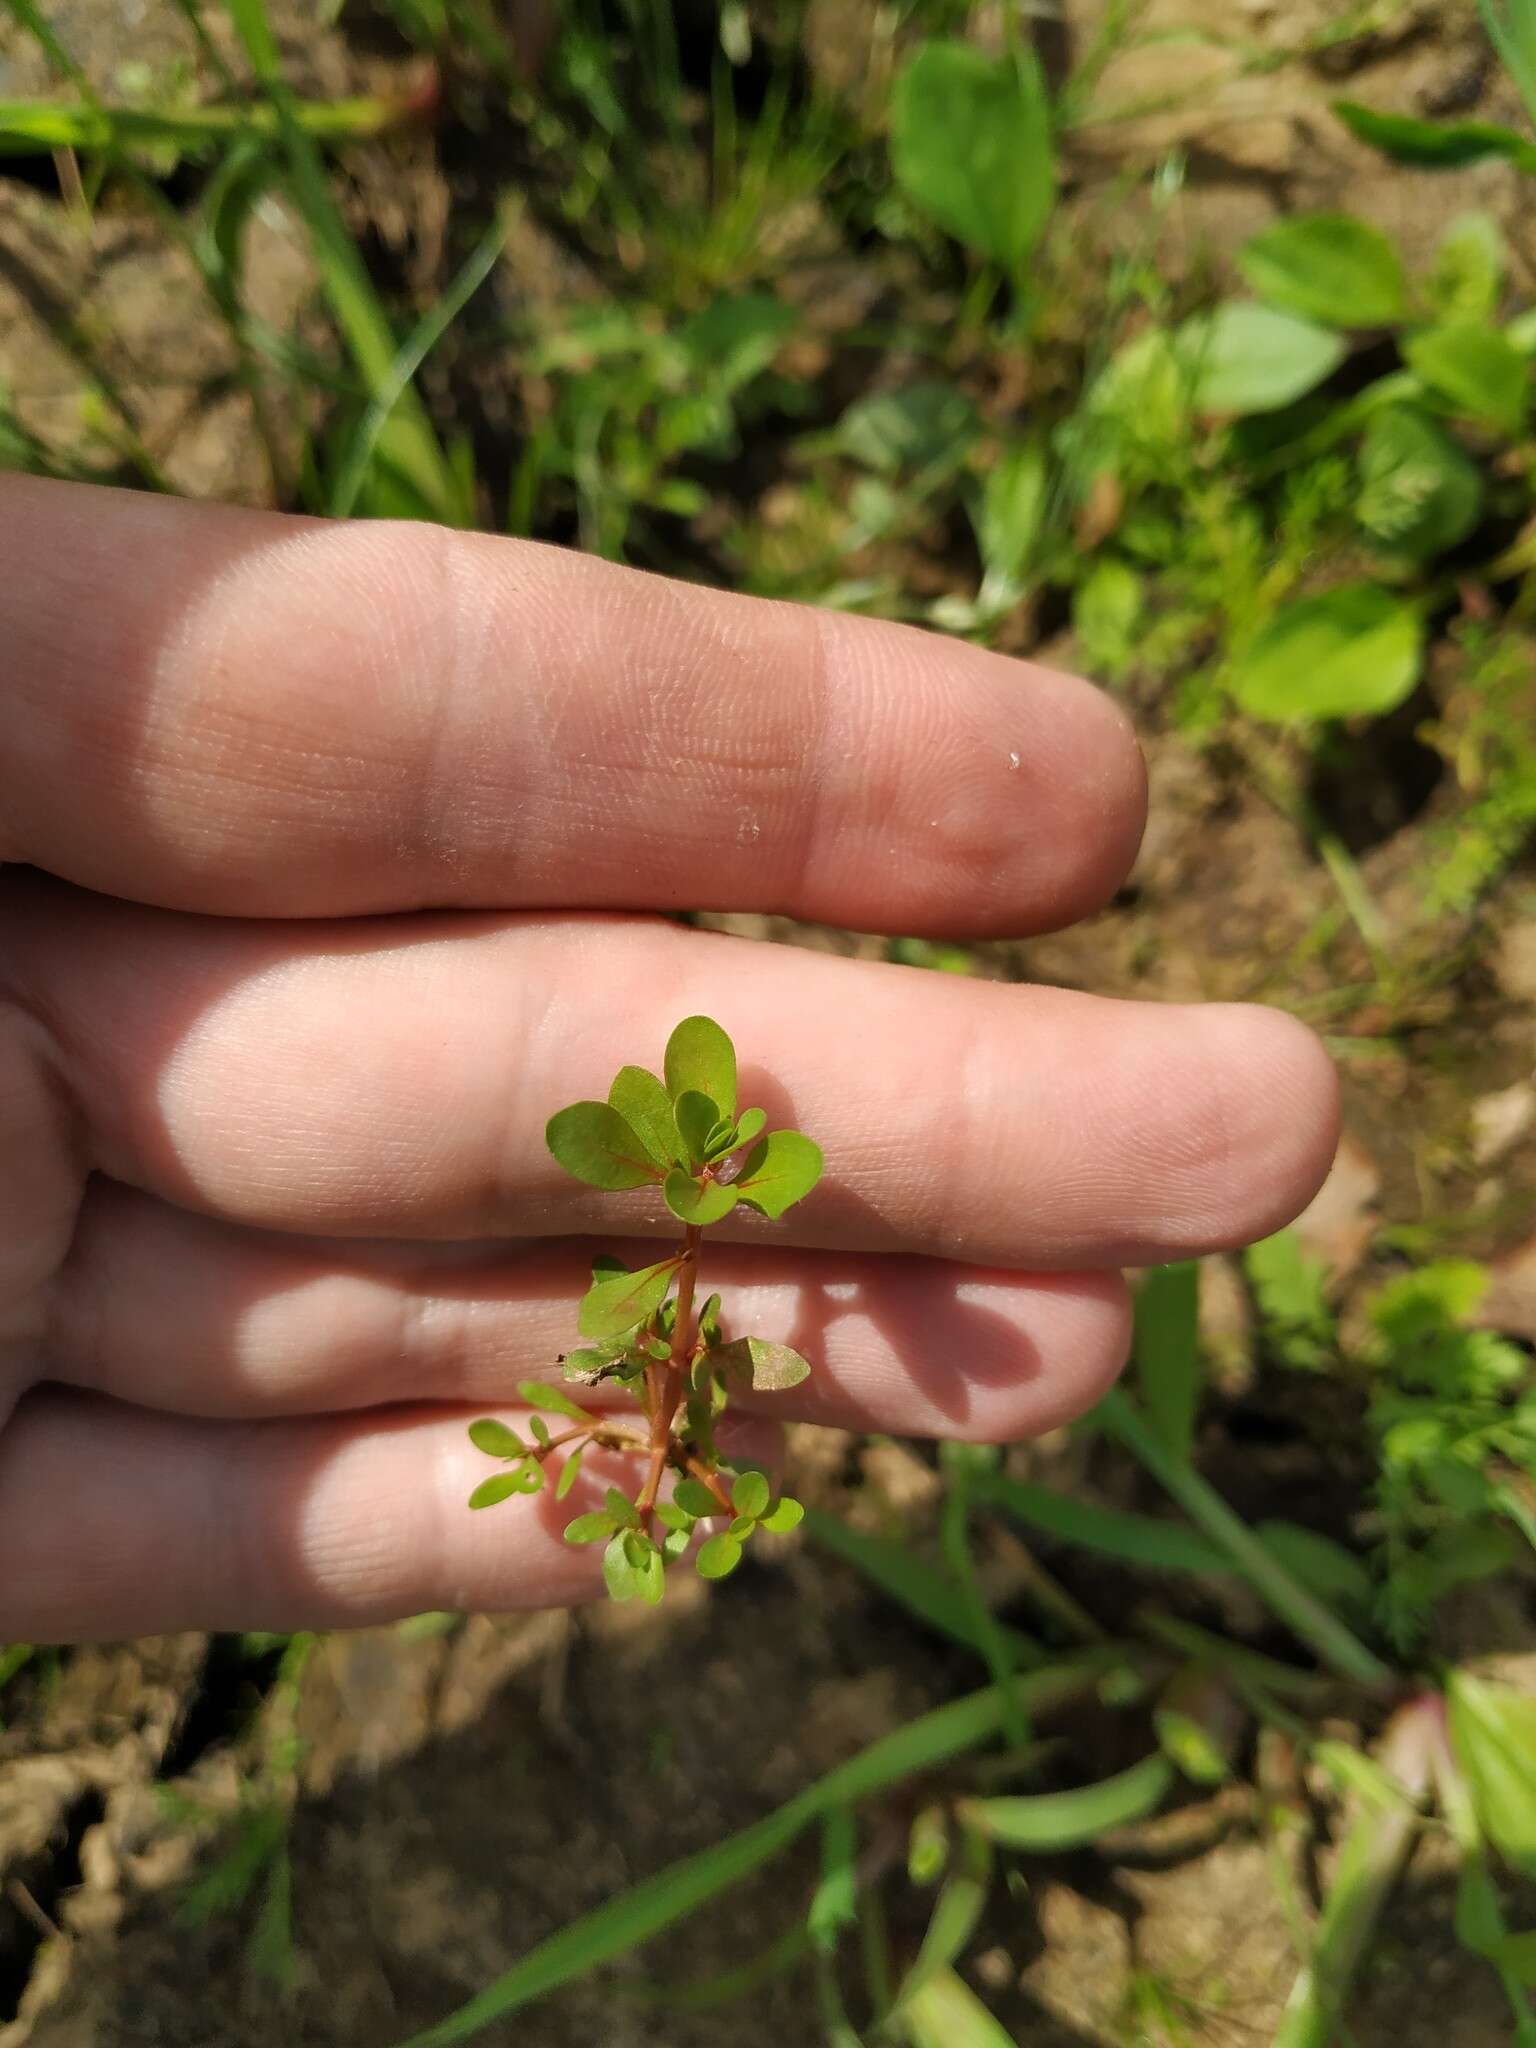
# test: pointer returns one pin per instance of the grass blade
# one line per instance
(1047, 1822)
(424, 337)
(422, 480)
(27, 126)
(946, 2013)
(1167, 1351)
(1339, 1647)
(1142, 1540)
(924, 1591)
(635, 1916)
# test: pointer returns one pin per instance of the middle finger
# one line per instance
(392, 1077)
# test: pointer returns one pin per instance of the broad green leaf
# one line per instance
(1420, 492)
(697, 1116)
(594, 1528)
(646, 1107)
(695, 1499)
(569, 1472)
(618, 1300)
(671, 1516)
(1167, 1351)
(594, 1143)
(624, 1922)
(971, 146)
(1330, 267)
(696, 1203)
(944, 2012)
(555, 1400)
(624, 1512)
(619, 1573)
(1050, 1821)
(700, 1057)
(719, 1139)
(1493, 1728)
(538, 1429)
(742, 1528)
(1437, 145)
(501, 1486)
(1475, 369)
(719, 1557)
(1470, 260)
(1516, 1953)
(750, 1494)
(1352, 652)
(496, 1440)
(1246, 358)
(782, 1168)
(765, 1368)
(748, 1125)
(737, 335)
(784, 1515)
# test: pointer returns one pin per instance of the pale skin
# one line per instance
(337, 857)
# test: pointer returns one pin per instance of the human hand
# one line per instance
(334, 838)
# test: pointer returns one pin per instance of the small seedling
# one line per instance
(643, 1333)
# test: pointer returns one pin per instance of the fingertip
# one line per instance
(1280, 1105)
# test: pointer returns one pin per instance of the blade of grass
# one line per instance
(635, 1916)
(1374, 1850)
(419, 344)
(1047, 1822)
(946, 2013)
(27, 126)
(1114, 1532)
(408, 444)
(923, 1591)
(1338, 1647)
(987, 1631)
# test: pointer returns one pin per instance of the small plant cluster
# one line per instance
(644, 1335)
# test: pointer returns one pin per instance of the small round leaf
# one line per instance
(495, 1439)
(719, 1557)
(750, 1495)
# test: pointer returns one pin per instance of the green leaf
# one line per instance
(921, 431)
(1324, 1567)
(1330, 267)
(1051, 1821)
(1421, 492)
(1470, 260)
(594, 1528)
(645, 1106)
(701, 1059)
(695, 1499)
(594, 1144)
(698, 1203)
(834, 1903)
(499, 1487)
(623, 1922)
(944, 2012)
(719, 1556)
(569, 1472)
(1189, 1746)
(555, 1400)
(624, 1512)
(1475, 369)
(709, 1322)
(539, 1430)
(784, 1515)
(749, 1363)
(971, 146)
(781, 1169)
(912, 1582)
(956, 1911)
(1352, 652)
(697, 1116)
(1246, 358)
(671, 1516)
(619, 1573)
(1011, 518)
(618, 1300)
(496, 1440)
(719, 1140)
(1167, 1351)
(750, 1495)
(1493, 1729)
(1437, 145)
(749, 1124)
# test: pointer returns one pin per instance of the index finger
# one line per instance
(230, 711)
